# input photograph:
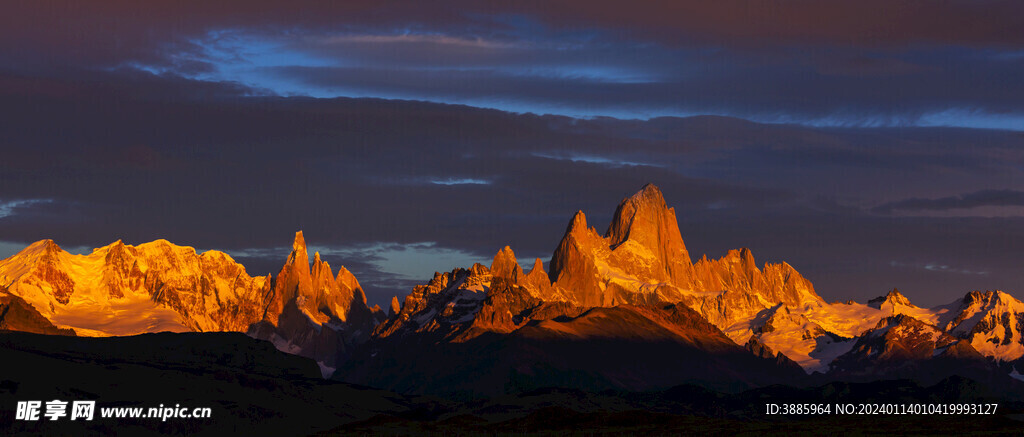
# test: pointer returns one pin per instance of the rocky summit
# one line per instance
(615, 310)
(120, 290)
(642, 259)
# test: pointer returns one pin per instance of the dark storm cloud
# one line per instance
(207, 153)
(238, 172)
(112, 30)
(810, 87)
(823, 62)
(753, 23)
(135, 156)
(963, 201)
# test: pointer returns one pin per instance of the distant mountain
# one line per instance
(902, 347)
(992, 321)
(642, 259)
(626, 309)
(481, 332)
(311, 312)
(121, 289)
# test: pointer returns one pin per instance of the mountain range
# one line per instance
(627, 309)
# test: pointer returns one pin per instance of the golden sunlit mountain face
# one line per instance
(640, 261)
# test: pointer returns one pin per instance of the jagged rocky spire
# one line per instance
(642, 258)
(395, 307)
(505, 265)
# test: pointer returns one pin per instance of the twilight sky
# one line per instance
(870, 144)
